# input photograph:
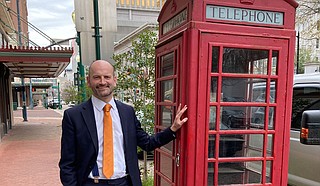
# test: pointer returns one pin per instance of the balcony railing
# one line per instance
(141, 4)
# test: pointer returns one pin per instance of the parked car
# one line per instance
(72, 104)
(53, 103)
(304, 160)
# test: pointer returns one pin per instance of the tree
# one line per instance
(72, 93)
(136, 79)
(307, 16)
(304, 57)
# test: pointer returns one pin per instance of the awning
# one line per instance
(35, 62)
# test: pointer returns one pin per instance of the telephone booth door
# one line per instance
(245, 114)
(168, 86)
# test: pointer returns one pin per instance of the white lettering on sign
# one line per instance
(245, 15)
(175, 21)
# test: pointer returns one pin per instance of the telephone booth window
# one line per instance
(236, 60)
(242, 111)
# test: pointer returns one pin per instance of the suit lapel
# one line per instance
(123, 120)
(89, 119)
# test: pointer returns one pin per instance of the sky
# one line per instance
(53, 17)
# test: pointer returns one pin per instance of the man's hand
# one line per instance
(177, 123)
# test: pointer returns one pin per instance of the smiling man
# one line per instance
(100, 136)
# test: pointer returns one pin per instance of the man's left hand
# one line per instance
(177, 123)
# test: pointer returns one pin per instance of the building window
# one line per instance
(317, 43)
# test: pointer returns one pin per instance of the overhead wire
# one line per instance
(52, 41)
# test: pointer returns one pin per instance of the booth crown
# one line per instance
(247, 2)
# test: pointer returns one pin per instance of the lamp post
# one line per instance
(59, 101)
(298, 49)
(96, 28)
(30, 92)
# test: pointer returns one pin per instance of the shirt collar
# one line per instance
(99, 104)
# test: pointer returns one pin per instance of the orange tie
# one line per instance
(107, 162)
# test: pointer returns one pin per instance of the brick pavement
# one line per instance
(30, 152)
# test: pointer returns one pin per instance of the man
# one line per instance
(82, 142)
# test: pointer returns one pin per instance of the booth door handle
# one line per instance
(178, 159)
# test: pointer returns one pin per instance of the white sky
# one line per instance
(53, 17)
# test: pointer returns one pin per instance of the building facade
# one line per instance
(20, 62)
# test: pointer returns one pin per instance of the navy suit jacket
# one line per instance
(79, 142)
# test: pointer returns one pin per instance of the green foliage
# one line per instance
(75, 93)
(136, 77)
(148, 181)
(304, 57)
(70, 93)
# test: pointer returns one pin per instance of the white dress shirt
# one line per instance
(118, 144)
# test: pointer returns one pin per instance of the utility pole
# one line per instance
(81, 74)
(96, 28)
(24, 108)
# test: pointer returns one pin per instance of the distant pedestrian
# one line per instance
(100, 136)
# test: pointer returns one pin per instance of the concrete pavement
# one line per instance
(30, 152)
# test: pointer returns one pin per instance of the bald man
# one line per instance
(82, 142)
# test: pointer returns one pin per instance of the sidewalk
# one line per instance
(30, 152)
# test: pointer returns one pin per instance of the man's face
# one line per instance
(101, 80)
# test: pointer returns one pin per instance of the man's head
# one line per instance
(102, 80)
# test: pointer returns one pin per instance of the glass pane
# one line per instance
(272, 91)
(166, 116)
(166, 165)
(254, 146)
(163, 182)
(211, 146)
(167, 91)
(259, 91)
(274, 65)
(168, 147)
(239, 173)
(271, 118)
(269, 171)
(167, 62)
(213, 89)
(210, 174)
(215, 59)
(212, 119)
(258, 117)
(234, 118)
(244, 89)
(247, 61)
(234, 89)
(270, 145)
(242, 118)
(230, 145)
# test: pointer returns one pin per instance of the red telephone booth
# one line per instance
(232, 63)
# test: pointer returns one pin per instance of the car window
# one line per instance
(304, 98)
